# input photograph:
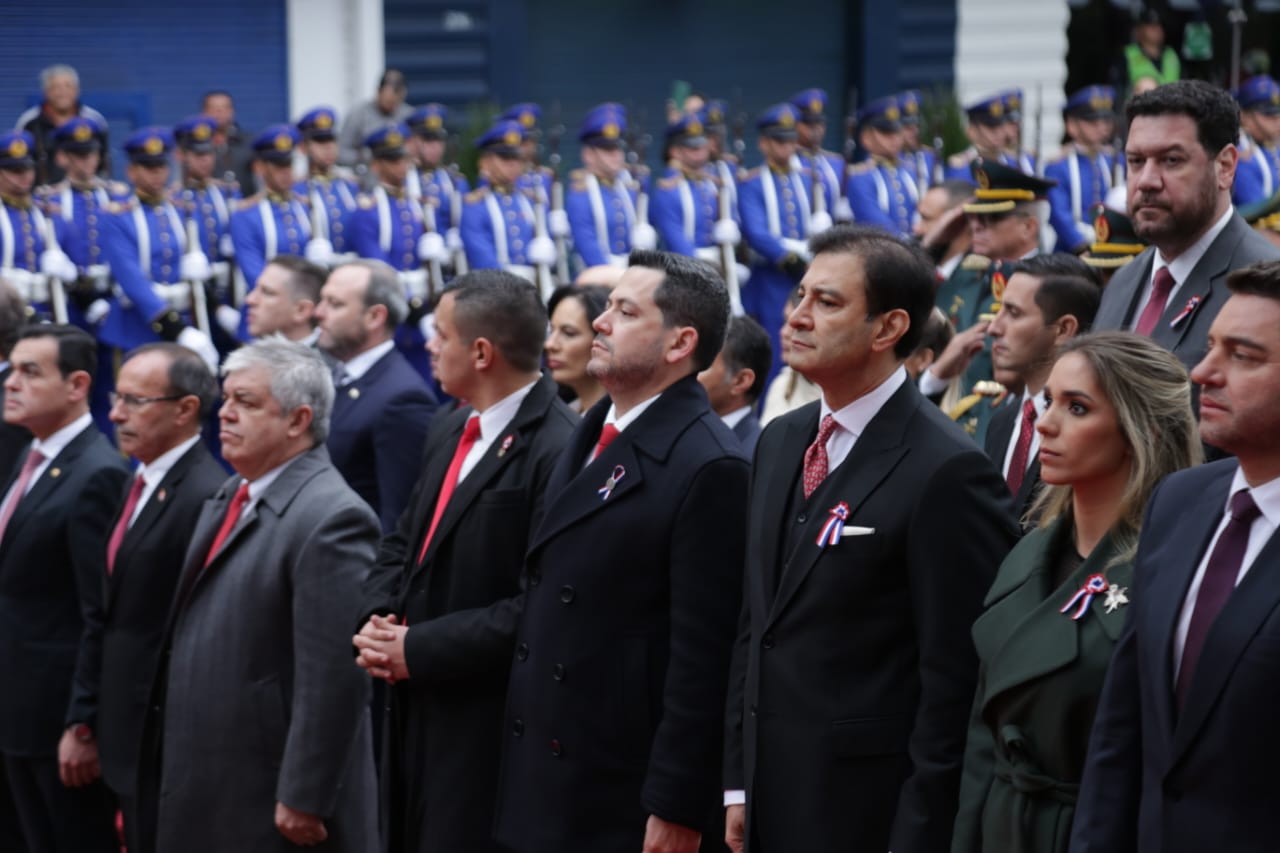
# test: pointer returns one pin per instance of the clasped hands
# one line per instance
(380, 648)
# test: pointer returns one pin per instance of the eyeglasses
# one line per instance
(129, 401)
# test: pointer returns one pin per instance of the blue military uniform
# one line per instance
(1083, 179)
(827, 166)
(922, 161)
(602, 211)
(775, 206)
(993, 111)
(498, 222)
(881, 190)
(442, 187)
(331, 197)
(723, 166)
(24, 229)
(210, 204)
(1258, 172)
(537, 180)
(685, 205)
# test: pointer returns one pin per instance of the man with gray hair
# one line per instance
(61, 87)
(383, 406)
(263, 717)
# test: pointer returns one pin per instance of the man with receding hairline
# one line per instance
(284, 299)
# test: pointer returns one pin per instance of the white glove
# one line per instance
(453, 239)
(558, 223)
(97, 311)
(199, 343)
(843, 212)
(726, 233)
(644, 237)
(54, 263)
(195, 267)
(744, 273)
(427, 325)
(431, 247)
(177, 295)
(1086, 231)
(225, 247)
(228, 318)
(319, 251)
(819, 222)
(541, 251)
(414, 283)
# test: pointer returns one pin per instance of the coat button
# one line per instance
(800, 519)
(767, 641)
(517, 727)
(522, 651)
(556, 749)
(567, 594)
(557, 672)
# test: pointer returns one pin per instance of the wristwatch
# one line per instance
(82, 732)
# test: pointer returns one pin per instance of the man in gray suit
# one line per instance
(265, 726)
(1182, 159)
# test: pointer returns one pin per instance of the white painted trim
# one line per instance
(336, 51)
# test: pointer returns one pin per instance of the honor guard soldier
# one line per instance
(827, 165)
(498, 219)
(145, 243)
(601, 202)
(1015, 155)
(685, 200)
(881, 190)
(429, 179)
(331, 194)
(1258, 172)
(918, 156)
(775, 202)
(721, 162)
(203, 199)
(535, 178)
(29, 259)
(988, 132)
(275, 221)
(1087, 171)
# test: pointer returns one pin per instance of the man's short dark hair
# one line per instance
(77, 350)
(1258, 279)
(898, 275)
(746, 345)
(1058, 263)
(393, 78)
(592, 297)
(305, 278)
(938, 332)
(505, 310)
(13, 316)
(188, 375)
(1060, 295)
(1216, 114)
(692, 293)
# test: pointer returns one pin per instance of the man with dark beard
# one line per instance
(1182, 161)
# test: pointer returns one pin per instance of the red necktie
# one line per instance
(607, 435)
(122, 526)
(470, 433)
(229, 523)
(815, 458)
(1161, 287)
(34, 458)
(1021, 450)
(1219, 580)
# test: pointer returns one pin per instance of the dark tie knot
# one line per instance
(1243, 509)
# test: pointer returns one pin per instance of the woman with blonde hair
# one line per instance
(1119, 419)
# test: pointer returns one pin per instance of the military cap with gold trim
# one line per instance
(428, 122)
(779, 122)
(387, 143)
(276, 143)
(1117, 243)
(149, 146)
(1012, 105)
(883, 114)
(812, 104)
(1091, 102)
(15, 150)
(1259, 210)
(503, 139)
(687, 131)
(195, 133)
(526, 115)
(910, 104)
(716, 115)
(604, 126)
(1260, 94)
(319, 124)
(1001, 188)
(988, 111)
(79, 135)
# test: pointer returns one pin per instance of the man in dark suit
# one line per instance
(13, 438)
(874, 530)
(259, 724)
(163, 394)
(631, 590)
(54, 520)
(451, 570)
(382, 407)
(284, 299)
(1181, 155)
(1185, 746)
(1048, 299)
(735, 380)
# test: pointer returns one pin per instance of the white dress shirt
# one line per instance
(155, 472)
(360, 364)
(1180, 267)
(1040, 405)
(493, 422)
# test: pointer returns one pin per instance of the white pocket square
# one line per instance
(853, 530)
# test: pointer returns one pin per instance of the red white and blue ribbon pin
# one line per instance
(607, 489)
(506, 445)
(1095, 585)
(1187, 310)
(834, 527)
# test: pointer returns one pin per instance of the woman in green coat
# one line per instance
(1119, 419)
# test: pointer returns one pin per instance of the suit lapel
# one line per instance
(1195, 291)
(347, 398)
(154, 509)
(54, 476)
(1128, 292)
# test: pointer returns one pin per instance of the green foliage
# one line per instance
(942, 118)
(462, 142)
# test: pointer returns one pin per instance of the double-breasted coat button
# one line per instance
(567, 594)
(556, 749)
(517, 727)
(522, 651)
(557, 672)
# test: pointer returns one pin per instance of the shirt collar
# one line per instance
(1181, 266)
(736, 417)
(162, 464)
(630, 417)
(360, 364)
(495, 418)
(854, 417)
(56, 443)
(1266, 496)
(259, 486)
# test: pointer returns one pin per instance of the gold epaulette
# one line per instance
(961, 408)
(861, 168)
(122, 206)
(476, 195)
(975, 263)
(670, 183)
(49, 190)
(246, 203)
(982, 389)
(117, 188)
(745, 175)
